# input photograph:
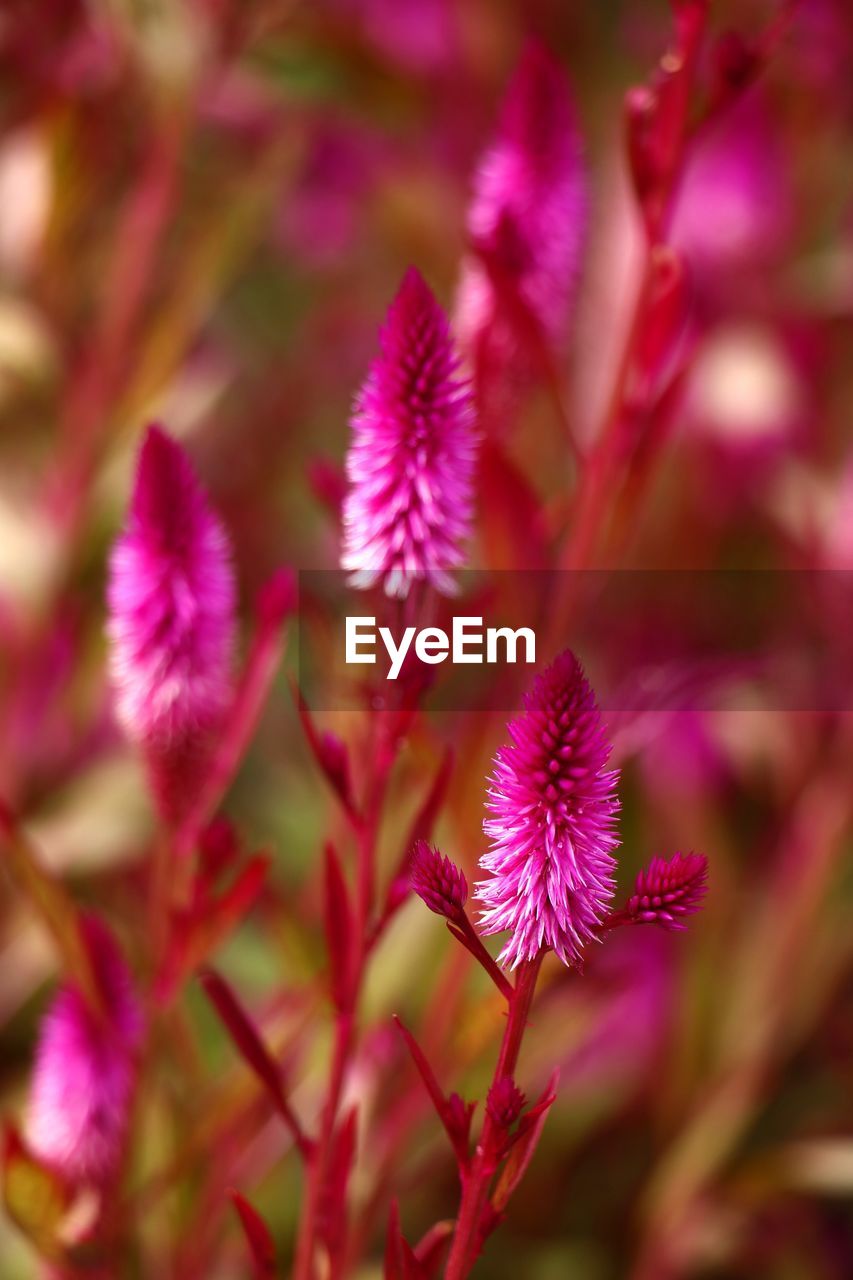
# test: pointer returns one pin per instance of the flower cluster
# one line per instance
(407, 513)
(668, 889)
(171, 599)
(552, 806)
(527, 217)
(82, 1087)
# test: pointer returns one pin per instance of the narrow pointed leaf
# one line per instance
(401, 1262)
(55, 908)
(258, 1238)
(251, 1048)
(433, 1088)
(522, 1152)
(338, 923)
(431, 1247)
(333, 1208)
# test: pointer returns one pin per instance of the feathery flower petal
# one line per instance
(553, 807)
(171, 599)
(83, 1082)
(437, 881)
(667, 890)
(528, 210)
(410, 466)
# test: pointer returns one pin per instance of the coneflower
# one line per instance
(553, 805)
(408, 509)
(667, 890)
(527, 216)
(83, 1082)
(171, 601)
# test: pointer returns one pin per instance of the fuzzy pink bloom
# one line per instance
(667, 890)
(528, 211)
(734, 205)
(437, 881)
(83, 1082)
(553, 807)
(171, 599)
(407, 513)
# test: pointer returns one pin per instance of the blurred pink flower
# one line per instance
(411, 462)
(553, 807)
(528, 212)
(171, 598)
(734, 206)
(437, 881)
(667, 890)
(83, 1082)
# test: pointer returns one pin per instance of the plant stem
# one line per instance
(476, 1180)
(367, 832)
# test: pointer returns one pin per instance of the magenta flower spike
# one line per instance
(408, 510)
(438, 882)
(552, 805)
(527, 216)
(667, 890)
(171, 600)
(82, 1086)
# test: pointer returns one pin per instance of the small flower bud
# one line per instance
(665, 890)
(504, 1103)
(438, 882)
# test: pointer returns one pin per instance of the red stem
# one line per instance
(477, 1179)
(367, 833)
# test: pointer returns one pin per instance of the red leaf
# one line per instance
(400, 1260)
(258, 1237)
(199, 932)
(330, 754)
(457, 1124)
(332, 1213)
(522, 1152)
(338, 923)
(429, 1250)
(421, 829)
(251, 1048)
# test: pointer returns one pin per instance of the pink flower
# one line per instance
(734, 206)
(84, 1076)
(407, 513)
(437, 881)
(171, 599)
(553, 807)
(667, 890)
(527, 216)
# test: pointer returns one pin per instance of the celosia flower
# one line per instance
(437, 881)
(171, 599)
(553, 807)
(407, 513)
(83, 1082)
(667, 890)
(527, 215)
(733, 210)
